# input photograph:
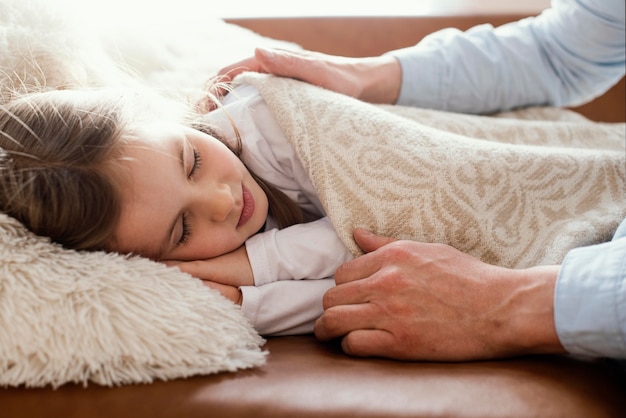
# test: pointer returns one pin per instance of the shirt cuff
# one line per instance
(262, 271)
(422, 78)
(250, 303)
(425, 71)
(590, 300)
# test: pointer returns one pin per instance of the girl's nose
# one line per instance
(219, 202)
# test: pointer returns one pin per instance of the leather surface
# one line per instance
(306, 378)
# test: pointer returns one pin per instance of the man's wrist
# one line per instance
(532, 327)
(383, 81)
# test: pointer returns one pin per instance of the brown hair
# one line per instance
(58, 164)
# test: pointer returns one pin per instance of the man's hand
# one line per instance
(414, 301)
(372, 79)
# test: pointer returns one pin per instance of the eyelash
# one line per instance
(186, 231)
(197, 162)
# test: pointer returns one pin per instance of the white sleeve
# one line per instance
(286, 307)
(590, 299)
(311, 250)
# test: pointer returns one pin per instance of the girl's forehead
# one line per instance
(156, 136)
(153, 155)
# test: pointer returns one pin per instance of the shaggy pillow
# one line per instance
(68, 316)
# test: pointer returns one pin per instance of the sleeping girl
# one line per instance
(221, 195)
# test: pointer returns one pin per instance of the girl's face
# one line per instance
(187, 197)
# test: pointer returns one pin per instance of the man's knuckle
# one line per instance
(330, 321)
(327, 300)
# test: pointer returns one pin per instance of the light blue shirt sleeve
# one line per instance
(590, 299)
(566, 56)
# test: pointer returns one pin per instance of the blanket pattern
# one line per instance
(516, 189)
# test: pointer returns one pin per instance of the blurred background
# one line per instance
(117, 9)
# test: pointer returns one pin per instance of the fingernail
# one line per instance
(266, 53)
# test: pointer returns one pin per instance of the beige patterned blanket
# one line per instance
(516, 190)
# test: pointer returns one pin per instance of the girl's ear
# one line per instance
(205, 105)
(207, 129)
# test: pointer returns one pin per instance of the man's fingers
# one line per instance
(342, 319)
(369, 343)
(275, 61)
(359, 334)
(248, 64)
(282, 62)
(369, 241)
(365, 265)
(357, 269)
(332, 324)
(351, 293)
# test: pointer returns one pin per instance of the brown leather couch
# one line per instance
(306, 378)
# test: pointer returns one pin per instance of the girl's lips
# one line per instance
(248, 206)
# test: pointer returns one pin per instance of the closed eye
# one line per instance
(186, 228)
(186, 231)
(197, 162)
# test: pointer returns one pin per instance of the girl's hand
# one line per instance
(231, 269)
(229, 292)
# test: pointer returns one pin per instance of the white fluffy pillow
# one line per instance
(67, 316)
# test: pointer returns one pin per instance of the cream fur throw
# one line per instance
(512, 192)
(67, 316)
